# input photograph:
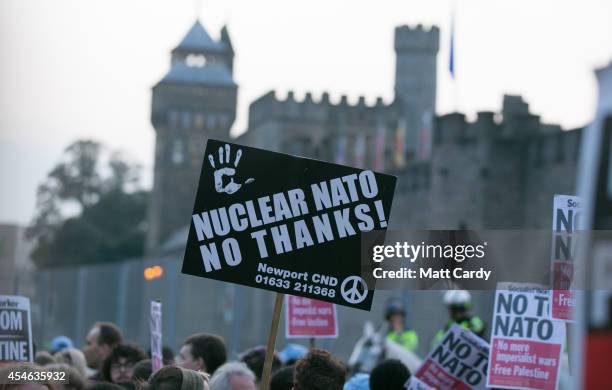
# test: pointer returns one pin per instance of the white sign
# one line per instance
(526, 344)
(415, 383)
(15, 329)
(157, 361)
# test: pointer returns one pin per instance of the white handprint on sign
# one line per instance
(226, 169)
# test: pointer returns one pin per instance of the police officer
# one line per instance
(458, 303)
(395, 316)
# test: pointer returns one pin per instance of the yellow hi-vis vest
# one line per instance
(407, 339)
(474, 324)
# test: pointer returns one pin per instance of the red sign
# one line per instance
(523, 364)
(566, 218)
(526, 344)
(563, 299)
(310, 318)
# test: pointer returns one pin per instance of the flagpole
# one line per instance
(451, 62)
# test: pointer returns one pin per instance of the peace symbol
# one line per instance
(350, 289)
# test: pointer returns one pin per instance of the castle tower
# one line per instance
(416, 50)
(194, 101)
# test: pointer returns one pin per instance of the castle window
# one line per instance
(223, 120)
(195, 60)
(185, 119)
(211, 121)
(172, 118)
(178, 152)
(198, 120)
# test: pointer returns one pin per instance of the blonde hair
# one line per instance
(74, 358)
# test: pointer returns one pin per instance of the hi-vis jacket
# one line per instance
(407, 339)
(473, 323)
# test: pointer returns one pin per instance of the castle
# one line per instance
(500, 171)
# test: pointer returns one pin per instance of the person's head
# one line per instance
(24, 367)
(292, 353)
(282, 379)
(100, 341)
(167, 355)
(60, 343)
(74, 358)
(76, 381)
(394, 313)
(177, 378)
(142, 371)
(233, 376)
(458, 303)
(42, 358)
(319, 370)
(254, 359)
(390, 374)
(119, 365)
(202, 352)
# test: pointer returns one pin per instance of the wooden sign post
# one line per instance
(267, 368)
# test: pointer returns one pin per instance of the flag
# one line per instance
(451, 56)
(359, 158)
(379, 148)
(400, 143)
(340, 155)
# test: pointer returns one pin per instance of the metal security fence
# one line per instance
(68, 301)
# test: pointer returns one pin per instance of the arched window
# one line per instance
(178, 152)
(185, 119)
(195, 60)
(173, 118)
(198, 120)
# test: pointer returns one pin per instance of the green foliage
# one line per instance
(109, 222)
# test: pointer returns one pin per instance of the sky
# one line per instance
(74, 69)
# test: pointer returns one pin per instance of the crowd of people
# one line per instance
(108, 362)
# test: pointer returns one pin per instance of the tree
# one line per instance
(89, 209)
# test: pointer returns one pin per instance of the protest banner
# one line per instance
(526, 344)
(459, 362)
(286, 224)
(155, 327)
(310, 318)
(566, 217)
(15, 329)
(415, 383)
(283, 223)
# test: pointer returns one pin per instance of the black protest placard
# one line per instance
(15, 329)
(284, 223)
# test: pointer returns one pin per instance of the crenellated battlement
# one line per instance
(543, 144)
(417, 38)
(310, 109)
(515, 122)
